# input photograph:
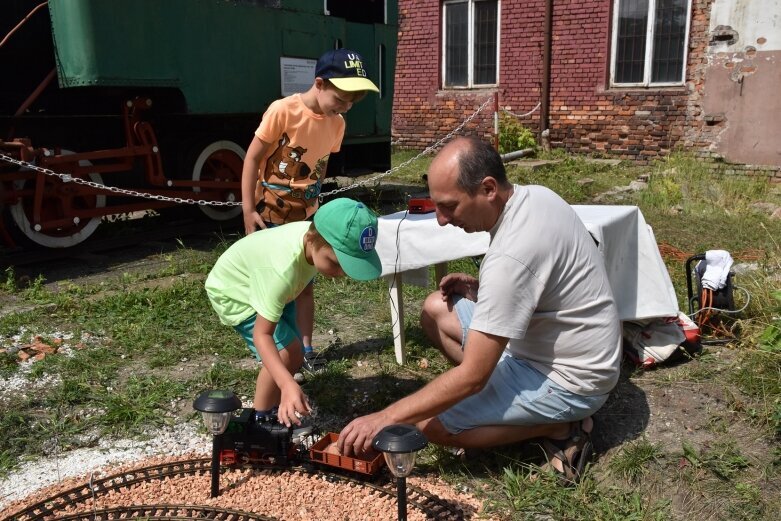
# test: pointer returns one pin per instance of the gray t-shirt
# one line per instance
(543, 285)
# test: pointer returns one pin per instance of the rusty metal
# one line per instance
(22, 22)
(37, 92)
(69, 205)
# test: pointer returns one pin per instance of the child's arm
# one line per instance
(293, 400)
(249, 180)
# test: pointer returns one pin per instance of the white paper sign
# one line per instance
(297, 74)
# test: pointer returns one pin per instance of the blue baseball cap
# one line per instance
(345, 69)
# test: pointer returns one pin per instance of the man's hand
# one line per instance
(253, 221)
(357, 437)
(459, 284)
(293, 404)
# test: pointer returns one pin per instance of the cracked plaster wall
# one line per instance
(741, 105)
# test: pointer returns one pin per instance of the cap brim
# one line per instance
(360, 268)
(354, 84)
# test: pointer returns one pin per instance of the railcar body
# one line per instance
(161, 97)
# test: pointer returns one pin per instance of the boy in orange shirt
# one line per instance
(286, 161)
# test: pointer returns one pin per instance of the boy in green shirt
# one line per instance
(254, 284)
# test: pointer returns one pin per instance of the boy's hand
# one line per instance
(293, 404)
(253, 221)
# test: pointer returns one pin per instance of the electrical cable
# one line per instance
(395, 310)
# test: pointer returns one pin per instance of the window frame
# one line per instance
(470, 44)
(649, 41)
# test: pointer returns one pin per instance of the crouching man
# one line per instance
(535, 341)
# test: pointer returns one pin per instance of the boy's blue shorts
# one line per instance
(516, 394)
(285, 332)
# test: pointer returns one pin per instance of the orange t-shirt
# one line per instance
(291, 174)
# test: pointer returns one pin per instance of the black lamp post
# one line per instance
(400, 443)
(216, 407)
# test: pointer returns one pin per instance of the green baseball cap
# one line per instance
(351, 230)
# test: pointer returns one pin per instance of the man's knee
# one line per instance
(432, 311)
(434, 431)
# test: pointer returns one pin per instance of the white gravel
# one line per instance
(34, 475)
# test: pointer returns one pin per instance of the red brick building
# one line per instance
(630, 79)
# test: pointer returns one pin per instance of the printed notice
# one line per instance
(297, 74)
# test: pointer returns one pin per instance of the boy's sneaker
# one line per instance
(312, 362)
(266, 416)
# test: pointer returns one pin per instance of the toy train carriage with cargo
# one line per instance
(157, 100)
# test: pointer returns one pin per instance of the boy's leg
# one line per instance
(287, 340)
(267, 393)
(305, 314)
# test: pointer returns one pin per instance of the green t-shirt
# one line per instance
(260, 273)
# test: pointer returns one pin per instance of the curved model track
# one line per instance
(433, 507)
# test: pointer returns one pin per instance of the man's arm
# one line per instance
(481, 354)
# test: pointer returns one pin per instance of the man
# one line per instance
(535, 342)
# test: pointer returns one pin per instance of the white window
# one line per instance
(470, 43)
(649, 42)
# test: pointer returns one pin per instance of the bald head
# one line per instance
(468, 184)
(469, 160)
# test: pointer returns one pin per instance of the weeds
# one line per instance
(633, 461)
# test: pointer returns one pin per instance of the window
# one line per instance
(649, 42)
(470, 43)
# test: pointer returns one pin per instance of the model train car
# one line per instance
(247, 442)
(156, 100)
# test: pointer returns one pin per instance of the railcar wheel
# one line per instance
(56, 202)
(221, 161)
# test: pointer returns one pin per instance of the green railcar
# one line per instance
(163, 96)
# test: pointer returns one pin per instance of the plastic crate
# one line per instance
(324, 451)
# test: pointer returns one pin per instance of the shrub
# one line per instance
(513, 135)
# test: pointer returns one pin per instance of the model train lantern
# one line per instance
(119, 108)
(216, 407)
(400, 443)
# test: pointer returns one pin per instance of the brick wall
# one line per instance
(586, 116)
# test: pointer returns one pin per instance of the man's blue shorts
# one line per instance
(285, 332)
(516, 394)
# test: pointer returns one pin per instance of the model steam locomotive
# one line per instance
(248, 442)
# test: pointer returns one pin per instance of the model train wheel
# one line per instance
(221, 161)
(57, 204)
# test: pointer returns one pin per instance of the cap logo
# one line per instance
(368, 238)
(353, 61)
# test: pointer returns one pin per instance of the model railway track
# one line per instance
(433, 507)
(166, 512)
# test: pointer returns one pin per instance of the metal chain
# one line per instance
(532, 111)
(67, 178)
(431, 148)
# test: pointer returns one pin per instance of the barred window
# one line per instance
(470, 43)
(649, 42)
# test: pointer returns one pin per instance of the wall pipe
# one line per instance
(496, 121)
(546, 67)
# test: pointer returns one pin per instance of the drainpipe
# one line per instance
(546, 66)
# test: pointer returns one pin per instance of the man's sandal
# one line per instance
(572, 457)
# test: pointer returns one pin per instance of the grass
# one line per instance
(136, 349)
